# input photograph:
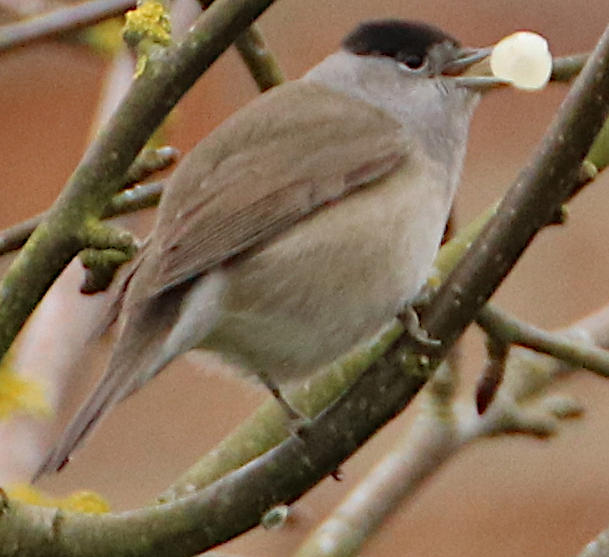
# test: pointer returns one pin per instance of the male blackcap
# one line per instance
(302, 224)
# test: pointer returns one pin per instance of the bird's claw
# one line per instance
(418, 337)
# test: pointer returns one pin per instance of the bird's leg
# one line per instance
(296, 418)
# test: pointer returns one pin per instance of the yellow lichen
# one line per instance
(146, 27)
(79, 501)
(140, 65)
(19, 395)
(148, 21)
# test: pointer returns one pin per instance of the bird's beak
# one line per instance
(472, 70)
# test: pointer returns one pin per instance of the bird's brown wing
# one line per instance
(238, 188)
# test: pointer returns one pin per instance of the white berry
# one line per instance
(523, 59)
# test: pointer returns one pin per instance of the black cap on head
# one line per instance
(406, 41)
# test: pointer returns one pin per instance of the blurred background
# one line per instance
(506, 496)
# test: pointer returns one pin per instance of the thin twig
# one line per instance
(566, 68)
(150, 161)
(492, 375)
(167, 76)
(256, 55)
(14, 237)
(259, 59)
(136, 198)
(441, 430)
(68, 18)
(128, 201)
(514, 331)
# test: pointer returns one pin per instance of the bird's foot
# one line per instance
(419, 338)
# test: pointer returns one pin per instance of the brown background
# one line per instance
(501, 497)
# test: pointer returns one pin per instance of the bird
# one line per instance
(303, 223)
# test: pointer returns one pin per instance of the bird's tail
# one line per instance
(122, 377)
(139, 354)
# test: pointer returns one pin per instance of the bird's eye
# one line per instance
(413, 61)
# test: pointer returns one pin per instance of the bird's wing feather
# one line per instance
(240, 192)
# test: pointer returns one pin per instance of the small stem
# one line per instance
(136, 198)
(493, 373)
(511, 330)
(14, 237)
(259, 59)
(150, 161)
(128, 201)
(566, 68)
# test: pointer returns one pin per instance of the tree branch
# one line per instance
(229, 506)
(443, 428)
(513, 331)
(59, 21)
(138, 197)
(255, 54)
(148, 162)
(267, 73)
(530, 204)
(167, 76)
(566, 68)
(406, 384)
